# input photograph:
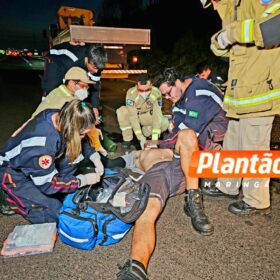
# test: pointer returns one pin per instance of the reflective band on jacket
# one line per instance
(252, 101)
(41, 180)
(152, 97)
(156, 130)
(125, 128)
(30, 142)
(274, 8)
(139, 132)
(182, 126)
(94, 78)
(183, 111)
(64, 52)
(214, 96)
(247, 31)
(78, 159)
(64, 89)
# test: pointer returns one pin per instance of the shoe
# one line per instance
(215, 192)
(132, 270)
(7, 210)
(5, 207)
(242, 208)
(194, 209)
(126, 144)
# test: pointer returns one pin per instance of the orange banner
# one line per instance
(235, 164)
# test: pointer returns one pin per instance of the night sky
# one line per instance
(22, 22)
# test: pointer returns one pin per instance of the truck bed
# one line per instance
(104, 35)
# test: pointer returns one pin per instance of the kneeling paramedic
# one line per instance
(38, 162)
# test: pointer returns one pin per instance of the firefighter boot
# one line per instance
(194, 209)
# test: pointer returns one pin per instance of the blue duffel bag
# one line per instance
(101, 214)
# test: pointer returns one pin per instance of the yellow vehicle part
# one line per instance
(67, 16)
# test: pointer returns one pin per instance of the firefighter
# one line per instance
(142, 113)
(62, 57)
(250, 37)
(197, 106)
(37, 164)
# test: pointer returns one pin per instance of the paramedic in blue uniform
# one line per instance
(197, 106)
(38, 162)
(62, 57)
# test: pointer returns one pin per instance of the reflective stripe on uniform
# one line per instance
(252, 101)
(156, 131)
(271, 10)
(30, 142)
(155, 136)
(64, 52)
(125, 128)
(78, 159)
(151, 96)
(182, 126)
(138, 132)
(41, 180)
(247, 31)
(176, 109)
(64, 89)
(94, 78)
(214, 96)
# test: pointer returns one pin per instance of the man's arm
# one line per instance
(263, 32)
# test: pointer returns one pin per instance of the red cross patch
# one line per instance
(45, 161)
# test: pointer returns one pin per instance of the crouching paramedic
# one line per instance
(38, 162)
(167, 177)
(197, 105)
(142, 113)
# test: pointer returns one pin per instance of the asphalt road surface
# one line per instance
(240, 248)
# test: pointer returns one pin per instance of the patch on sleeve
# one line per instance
(129, 102)
(149, 103)
(193, 114)
(45, 161)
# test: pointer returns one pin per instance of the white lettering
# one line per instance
(275, 168)
(205, 161)
(228, 166)
(254, 159)
(244, 162)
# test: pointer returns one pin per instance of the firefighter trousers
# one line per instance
(248, 134)
(140, 123)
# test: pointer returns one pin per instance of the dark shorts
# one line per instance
(166, 179)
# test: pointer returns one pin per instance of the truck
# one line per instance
(77, 25)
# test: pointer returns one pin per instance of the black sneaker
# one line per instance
(242, 208)
(132, 270)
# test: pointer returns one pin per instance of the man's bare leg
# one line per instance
(144, 234)
(187, 144)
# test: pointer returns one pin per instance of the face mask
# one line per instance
(145, 95)
(81, 93)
